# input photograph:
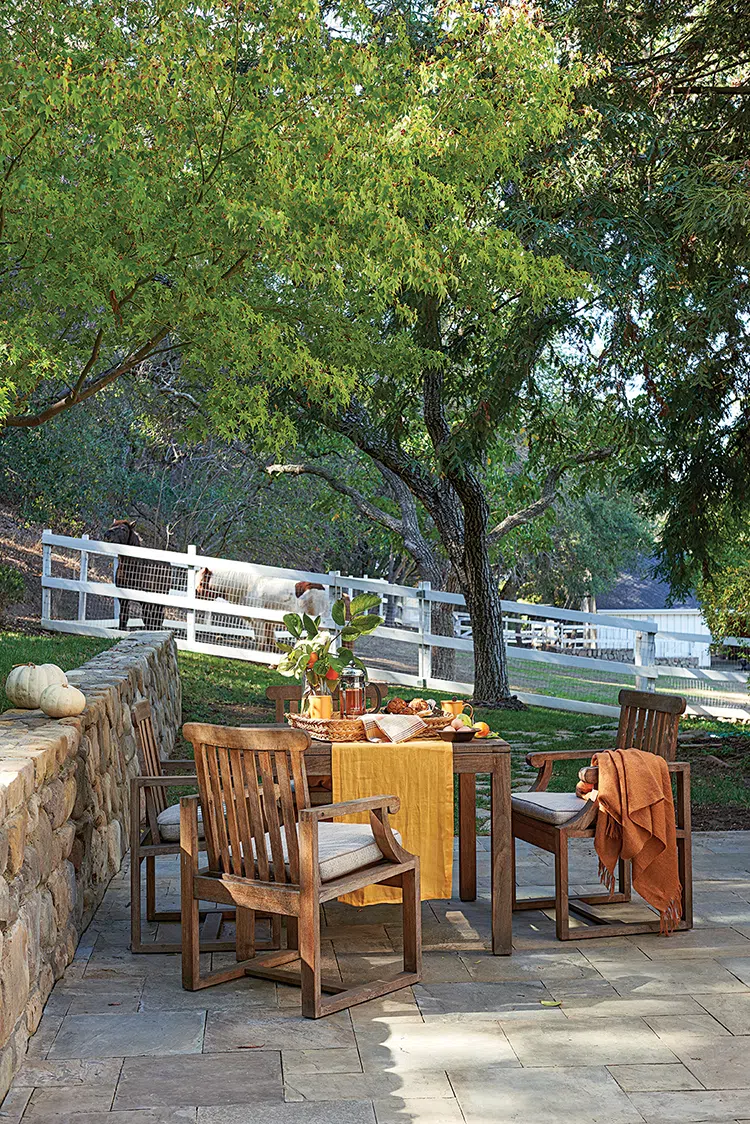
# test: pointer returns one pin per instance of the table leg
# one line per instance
(501, 858)
(467, 836)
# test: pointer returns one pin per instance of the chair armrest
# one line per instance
(537, 758)
(350, 807)
(590, 775)
(163, 782)
(544, 762)
(185, 763)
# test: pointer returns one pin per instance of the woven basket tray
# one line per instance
(351, 729)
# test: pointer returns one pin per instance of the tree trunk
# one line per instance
(482, 596)
(443, 659)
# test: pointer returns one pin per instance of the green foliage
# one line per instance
(725, 592)
(650, 196)
(12, 586)
(310, 657)
(579, 550)
(220, 179)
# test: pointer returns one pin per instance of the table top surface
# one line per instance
(476, 745)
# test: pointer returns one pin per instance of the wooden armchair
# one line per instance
(549, 820)
(269, 849)
(159, 834)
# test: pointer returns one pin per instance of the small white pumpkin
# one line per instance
(26, 682)
(60, 700)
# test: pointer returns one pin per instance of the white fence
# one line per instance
(557, 657)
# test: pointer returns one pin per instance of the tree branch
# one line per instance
(549, 493)
(29, 421)
(363, 505)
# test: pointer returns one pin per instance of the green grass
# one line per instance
(66, 651)
(232, 692)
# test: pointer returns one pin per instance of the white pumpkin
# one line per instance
(60, 700)
(26, 682)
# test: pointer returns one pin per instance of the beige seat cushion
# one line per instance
(169, 823)
(342, 847)
(550, 807)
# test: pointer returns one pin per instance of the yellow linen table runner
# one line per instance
(421, 774)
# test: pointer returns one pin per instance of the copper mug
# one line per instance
(454, 707)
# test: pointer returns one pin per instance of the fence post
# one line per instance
(115, 600)
(644, 652)
(190, 616)
(333, 590)
(84, 577)
(425, 628)
(46, 573)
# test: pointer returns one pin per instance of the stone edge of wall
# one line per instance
(64, 808)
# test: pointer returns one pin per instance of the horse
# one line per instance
(251, 587)
(139, 573)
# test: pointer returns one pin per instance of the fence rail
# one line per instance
(562, 658)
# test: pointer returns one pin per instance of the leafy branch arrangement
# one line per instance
(310, 657)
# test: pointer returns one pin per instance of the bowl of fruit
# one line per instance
(461, 729)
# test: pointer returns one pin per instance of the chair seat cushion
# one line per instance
(169, 823)
(550, 807)
(344, 848)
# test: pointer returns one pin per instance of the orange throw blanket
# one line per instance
(636, 822)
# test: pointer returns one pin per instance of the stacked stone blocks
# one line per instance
(64, 808)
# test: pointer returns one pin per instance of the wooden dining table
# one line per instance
(481, 756)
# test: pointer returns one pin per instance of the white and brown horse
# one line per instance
(251, 587)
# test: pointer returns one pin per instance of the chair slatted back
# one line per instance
(148, 756)
(288, 696)
(650, 722)
(252, 784)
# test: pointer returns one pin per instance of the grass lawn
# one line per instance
(66, 651)
(233, 692)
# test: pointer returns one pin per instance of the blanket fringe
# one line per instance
(670, 917)
(607, 878)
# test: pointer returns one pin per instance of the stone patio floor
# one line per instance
(648, 1029)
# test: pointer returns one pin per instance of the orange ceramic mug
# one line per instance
(454, 707)
(321, 706)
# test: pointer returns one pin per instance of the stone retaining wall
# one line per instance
(64, 806)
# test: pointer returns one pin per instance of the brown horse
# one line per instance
(139, 573)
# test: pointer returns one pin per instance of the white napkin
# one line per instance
(392, 727)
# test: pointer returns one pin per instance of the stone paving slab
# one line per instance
(493, 999)
(409, 1044)
(564, 1096)
(398, 1110)
(120, 1036)
(200, 1079)
(660, 1078)
(411, 1084)
(689, 977)
(275, 1031)
(718, 1062)
(325, 1112)
(573, 1043)
(715, 1107)
(43, 1074)
(732, 1011)
(335, 1060)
